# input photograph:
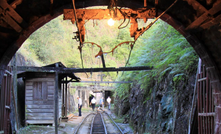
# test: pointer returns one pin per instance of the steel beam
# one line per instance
(100, 81)
(80, 70)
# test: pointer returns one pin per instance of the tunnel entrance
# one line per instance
(211, 65)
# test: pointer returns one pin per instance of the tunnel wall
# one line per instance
(196, 44)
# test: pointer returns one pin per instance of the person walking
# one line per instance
(79, 105)
(102, 102)
(109, 102)
(93, 102)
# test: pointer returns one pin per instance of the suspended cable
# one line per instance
(124, 14)
(80, 38)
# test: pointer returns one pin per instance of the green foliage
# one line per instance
(53, 43)
(167, 51)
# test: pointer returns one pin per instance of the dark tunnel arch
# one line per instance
(197, 44)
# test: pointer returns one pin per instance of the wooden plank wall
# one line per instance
(40, 111)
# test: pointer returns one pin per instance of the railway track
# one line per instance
(77, 130)
(98, 124)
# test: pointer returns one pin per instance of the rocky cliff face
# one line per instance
(164, 108)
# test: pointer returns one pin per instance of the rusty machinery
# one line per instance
(80, 15)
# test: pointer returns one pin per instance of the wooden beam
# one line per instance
(56, 101)
(212, 22)
(93, 88)
(80, 70)
(88, 14)
(66, 96)
(14, 92)
(10, 16)
(205, 16)
(196, 5)
(101, 81)
(11, 22)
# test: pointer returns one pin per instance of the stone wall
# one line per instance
(165, 110)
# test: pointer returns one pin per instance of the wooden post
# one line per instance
(56, 101)
(66, 97)
(63, 111)
(14, 91)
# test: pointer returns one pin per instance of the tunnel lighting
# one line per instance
(111, 22)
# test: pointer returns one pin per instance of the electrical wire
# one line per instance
(82, 63)
(124, 14)
(81, 45)
(147, 29)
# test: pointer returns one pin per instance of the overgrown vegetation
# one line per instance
(53, 43)
(167, 51)
(161, 47)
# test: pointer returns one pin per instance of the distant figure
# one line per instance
(109, 102)
(79, 105)
(93, 102)
(102, 102)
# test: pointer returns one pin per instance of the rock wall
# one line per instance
(163, 108)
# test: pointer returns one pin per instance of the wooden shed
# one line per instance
(39, 95)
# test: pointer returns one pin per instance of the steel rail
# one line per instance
(105, 129)
(114, 122)
(79, 126)
(92, 124)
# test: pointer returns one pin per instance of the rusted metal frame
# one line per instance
(76, 19)
(89, 14)
(138, 33)
(205, 16)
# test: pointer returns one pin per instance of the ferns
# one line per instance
(167, 51)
